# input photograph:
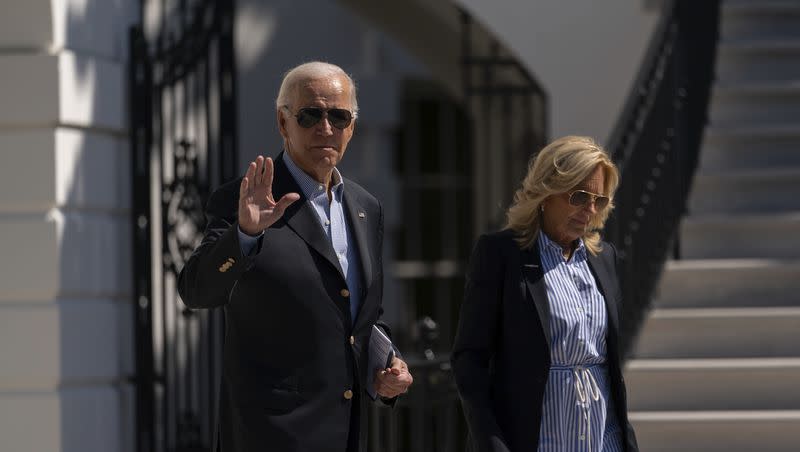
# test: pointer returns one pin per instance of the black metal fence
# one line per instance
(656, 145)
(509, 109)
(428, 418)
(459, 161)
(183, 144)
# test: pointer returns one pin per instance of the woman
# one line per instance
(535, 357)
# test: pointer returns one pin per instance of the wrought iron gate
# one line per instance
(508, 107)
(459, 161)
(183, 145)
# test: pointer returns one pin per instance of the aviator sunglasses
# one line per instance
(309, 117)
(580, 198)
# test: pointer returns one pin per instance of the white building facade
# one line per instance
(66, 326)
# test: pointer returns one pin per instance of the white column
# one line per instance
(65, 313)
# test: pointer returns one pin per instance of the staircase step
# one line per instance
(759, 7)
(720, 333)
(745, 191)
(709, 283)
(754, 103)
(756, 19)
(713, 384)
(788, 130)
(718, 360)
(758, 60)
(717, 431)
(741, 236)
(724, 148)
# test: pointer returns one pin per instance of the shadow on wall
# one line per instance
(92, 216)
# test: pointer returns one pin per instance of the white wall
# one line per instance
(65, 336)
(586, 53)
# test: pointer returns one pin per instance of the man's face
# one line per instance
(317, 149)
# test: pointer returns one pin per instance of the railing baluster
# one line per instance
(656, 145)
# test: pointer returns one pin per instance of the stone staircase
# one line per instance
(717, 366)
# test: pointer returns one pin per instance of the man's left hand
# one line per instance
(393, 381)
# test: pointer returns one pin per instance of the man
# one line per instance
(293, 252)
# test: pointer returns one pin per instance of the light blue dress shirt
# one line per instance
(333, 222)
(578, 412)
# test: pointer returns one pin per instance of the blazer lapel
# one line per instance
(300, 216)
(605, 281)
(534, 279)
(358, 223)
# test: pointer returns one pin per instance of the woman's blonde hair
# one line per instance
(556, 169)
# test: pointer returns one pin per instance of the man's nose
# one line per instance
(325, 126)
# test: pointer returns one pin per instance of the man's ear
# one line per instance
(282, 123)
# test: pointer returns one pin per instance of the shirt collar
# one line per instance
(546, 242)
(310, 187)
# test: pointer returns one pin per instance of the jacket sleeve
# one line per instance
(476, 342)
(212, 271)
(379, 270)
(630, 435)
(380, 323)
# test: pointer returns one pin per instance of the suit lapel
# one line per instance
(534, 280)
(300, 216)
(605, 282)
(358, 223)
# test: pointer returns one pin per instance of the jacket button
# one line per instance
(345, 293)
(348, 394)
(352, 340)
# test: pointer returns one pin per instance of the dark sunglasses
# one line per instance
(309, 117)
(580, 198)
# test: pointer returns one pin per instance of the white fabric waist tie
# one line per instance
(586, 390)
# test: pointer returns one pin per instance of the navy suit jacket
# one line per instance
(294, 361)
(501, 356)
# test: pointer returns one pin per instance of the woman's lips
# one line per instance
(581, 223)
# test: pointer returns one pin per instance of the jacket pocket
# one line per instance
(276, 397)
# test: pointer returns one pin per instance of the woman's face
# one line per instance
(565, 223)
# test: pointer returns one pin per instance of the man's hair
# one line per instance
(311, 71)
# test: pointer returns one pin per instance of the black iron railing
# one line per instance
(656, 145)
(183, 145)
(428, 418)
(509, 109)
(460, 161)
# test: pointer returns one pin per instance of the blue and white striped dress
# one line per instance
(578, 414)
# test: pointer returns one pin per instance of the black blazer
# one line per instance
(501, 356)
(292, 353)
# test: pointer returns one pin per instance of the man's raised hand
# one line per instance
(257, 208)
